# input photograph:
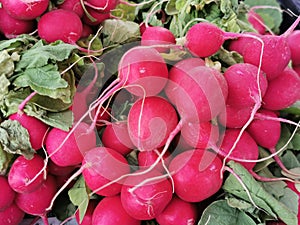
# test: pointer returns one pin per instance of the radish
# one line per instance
(22, 172)
(60, 24)
(266, 133)
(102, 5)
(157, 36)
(242, 84)
(7, 194)
(110, 211)
(37, 201)
(25, 10)
(145, 200)
(59, 170)
(283, 91)
(294, 44)
(148, 158)
(234, 117)
(12, 215)
(143, 66)
(256, 21)
(116, 136)
(98, 17)
(297, 69)
(86, 31)
(72, 5)
(198, 93)
(88, 216)
(36, 128)
(200, 135)
(193, 167)
(102, 165)
(204, 39)
(69, 150)
(12, 27)
(245, 149)
(178, 212)
(150, 122)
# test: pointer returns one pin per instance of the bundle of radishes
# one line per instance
(162, 138)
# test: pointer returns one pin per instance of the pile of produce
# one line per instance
(149, 112)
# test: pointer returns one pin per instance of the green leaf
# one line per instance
(294, 109)
(4, 84)
(5, 161)
(40, 55)
(119, 31)
(14, 139)
(262, 198)
(79, 196)
(171, 8)
(13, 43)
(7, 65)
(219, 212)
(125, 12)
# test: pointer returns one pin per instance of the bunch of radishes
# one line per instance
(68, 21)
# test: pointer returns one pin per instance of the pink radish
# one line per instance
(86, 31)
(143, 66)
(294, 44)
(157, 36)
(12, 27)
(178, 212)
(256, 21)
(59, 170)
(200, 135)
(12, 215)
(7, 194)
(98, 17)
(23, 171)
(102, 5)
(37, 201)
(145, 201)
(60, 24)
(243, 90)
(72, 5)
(102, 165)
(115, 136)
(193, 167)
(110, 211)
(150, 121)
(283, 91)
(148, 158)
(36, 128)
(25, 10)
(70, 152)
(198, 93)
(245, 149)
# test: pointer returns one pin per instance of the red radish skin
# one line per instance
(198, 93)
(23, 171)
(266, 133)
(200, 135)
(283, 91)
(12, 27)
(72, 151)
(157, 36)
(59, 170)
(115, 136)
(256, 21)
(297, 69)
(72, 5)
(294, 44)
(36, 128)
(110, 211)
(143, 66)
(146, 201)
(60, 24)
(88, 216)
(204, 39)
(99, 17)
(243, 90)
(7, 194)
(37, 201)
(148, 158)
(245, 149)
(102, 5)
(193, 167)
(86, 31)
(12, 215)
(101, 166)
(234, 117)
(178, 212)
(150, 122)
(25, 10)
